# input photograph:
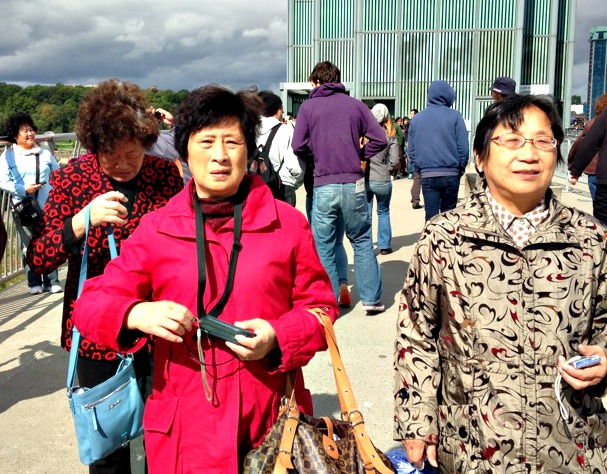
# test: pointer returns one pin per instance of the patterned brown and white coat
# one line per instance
(481, 325)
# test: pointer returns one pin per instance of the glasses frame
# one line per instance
(524, 140)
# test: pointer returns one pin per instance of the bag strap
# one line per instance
(10, 152)
(37, 174)
(200, 250)
(350, 412)
(268, 144)
(73, 361)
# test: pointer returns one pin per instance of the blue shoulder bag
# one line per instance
(110, 414)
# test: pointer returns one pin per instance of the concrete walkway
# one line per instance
(36, 431)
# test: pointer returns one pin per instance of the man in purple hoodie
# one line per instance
(328, 132)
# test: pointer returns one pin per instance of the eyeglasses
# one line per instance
(514, 141)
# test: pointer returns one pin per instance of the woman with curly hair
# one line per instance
(25, 169)
(122, 184)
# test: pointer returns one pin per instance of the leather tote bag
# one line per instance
(299, 443)
(110, 414)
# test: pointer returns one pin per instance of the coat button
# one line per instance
(463, 432)
(591, 443)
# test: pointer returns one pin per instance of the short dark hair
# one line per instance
(271, 103)
(15, 122)
(414, 111)
(325, 73)
(112, 112)
(510, 113)
(214, 105)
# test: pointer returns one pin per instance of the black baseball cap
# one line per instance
(504, 86)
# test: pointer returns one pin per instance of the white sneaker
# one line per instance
(36, 290)
(373, 309)
(56, 289)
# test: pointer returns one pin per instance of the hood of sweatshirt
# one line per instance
(267, 123)
(441, 93)
(327, 89)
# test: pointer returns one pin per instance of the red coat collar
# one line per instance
(259, 211)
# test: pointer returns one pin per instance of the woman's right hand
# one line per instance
(104, 208)
(419, 450)
(32, 188)
(108, 208)
(165, 319)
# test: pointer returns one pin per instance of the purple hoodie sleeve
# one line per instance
(301, 137)
(375, 133)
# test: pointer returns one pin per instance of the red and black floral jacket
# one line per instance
(74, 187)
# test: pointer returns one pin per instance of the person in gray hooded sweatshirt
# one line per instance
(438, 149)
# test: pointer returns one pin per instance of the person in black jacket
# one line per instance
(3, 237)
(595, 141)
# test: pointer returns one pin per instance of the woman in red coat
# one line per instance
(209, 407)
(122, 184)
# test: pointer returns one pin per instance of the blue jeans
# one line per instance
(331, 202)
(382, 190)
(440, 194)
(592, 185)
(341, 257)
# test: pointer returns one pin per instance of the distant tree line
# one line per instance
(54, 108)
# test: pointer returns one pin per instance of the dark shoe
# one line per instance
(344, 297)
(387, 251)
(417, 206)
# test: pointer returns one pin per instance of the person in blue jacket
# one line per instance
(438, 149)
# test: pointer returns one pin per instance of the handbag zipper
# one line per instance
(88, 406)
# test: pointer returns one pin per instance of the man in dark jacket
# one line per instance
(3, 237)
(595, 141)
(438, 149)
(328, 132)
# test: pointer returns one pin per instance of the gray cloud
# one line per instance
(171, 45)
(590, 13)
(175, 45)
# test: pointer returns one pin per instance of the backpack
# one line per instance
(260, 164)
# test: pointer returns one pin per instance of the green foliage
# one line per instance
(576, 100)
(54, 108)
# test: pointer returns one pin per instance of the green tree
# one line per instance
(55, 108)
(576, 100)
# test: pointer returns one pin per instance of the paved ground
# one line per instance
(36, 432)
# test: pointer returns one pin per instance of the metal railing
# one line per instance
(11, 264)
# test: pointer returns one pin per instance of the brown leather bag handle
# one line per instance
(350, 412)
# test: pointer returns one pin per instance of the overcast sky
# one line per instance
(174, 44)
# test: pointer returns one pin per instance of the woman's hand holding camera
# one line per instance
(164, 116)
(32, 188)
(580, 379)
(107, 208)
(254, 348)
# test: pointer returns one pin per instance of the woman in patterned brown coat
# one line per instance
(500, 292)
(122, 184)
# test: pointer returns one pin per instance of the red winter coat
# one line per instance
(278, 276)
